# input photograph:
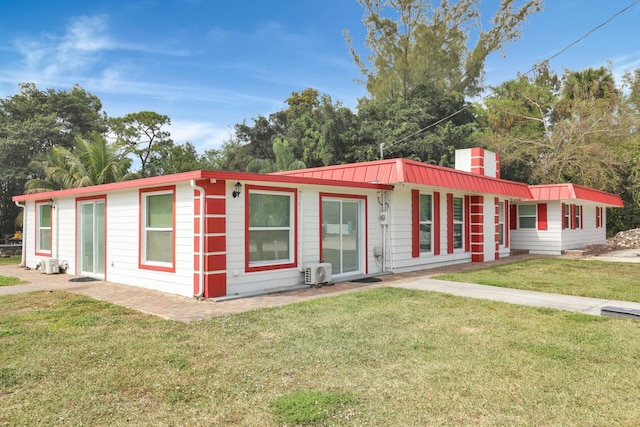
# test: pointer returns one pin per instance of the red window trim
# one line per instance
(449, 223)
(507, 223)
(467, 223)
(366, 221)
(279, 266)
(513, 217)
(36, 233)
(542, 217)
(141, 221)
(436, 223)
(415, 222)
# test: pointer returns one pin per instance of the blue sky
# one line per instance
(211, 64)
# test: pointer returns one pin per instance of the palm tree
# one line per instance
(93, 161)
(585, 86)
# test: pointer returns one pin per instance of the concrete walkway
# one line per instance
(186, 309)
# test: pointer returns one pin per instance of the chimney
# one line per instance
(478, 161)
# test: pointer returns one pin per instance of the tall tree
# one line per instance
(92, 161)
(174, 158)
(143, 135)
(413, 43)
(32, 122)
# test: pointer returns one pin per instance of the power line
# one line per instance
(466, 107)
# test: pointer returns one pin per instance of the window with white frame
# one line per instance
(426, 222)
(567, 216)
(271, 227)
(158, 237)
(577, 212)
(527, 216)
(458, 222)
(43, 235)
(501, 223)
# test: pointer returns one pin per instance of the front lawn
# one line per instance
(595, 279)
(9, 280)
(382, 357)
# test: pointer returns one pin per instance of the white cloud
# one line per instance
(203, 135)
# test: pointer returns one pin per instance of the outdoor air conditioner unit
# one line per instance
(317, 273)
(49, 266)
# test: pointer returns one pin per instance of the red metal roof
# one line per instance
(573, 191)
(199, 174)
(396, 171)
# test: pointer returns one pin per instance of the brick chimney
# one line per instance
(478, 161)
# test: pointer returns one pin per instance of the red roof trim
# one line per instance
(200, 174)
(574, 192)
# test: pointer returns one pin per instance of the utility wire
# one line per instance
(466, 107)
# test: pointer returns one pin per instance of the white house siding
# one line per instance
(401, 240)
(554, 240)
(241, 282)
(123, 246)
(589, 234)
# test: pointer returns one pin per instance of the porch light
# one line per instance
(51, 203)
(238, 190)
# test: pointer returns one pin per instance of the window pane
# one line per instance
(268, 245)
(457, 209)
(501, 212)
(425, 237)
(159, 246)
(527, 222)
(501, 234)
(45, 239)
(457, 236)
(160, 211)
(269, 210)
(527, 210)
(45, 216)
(425, 207)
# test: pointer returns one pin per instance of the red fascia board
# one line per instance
(200, 174)
(572, 192)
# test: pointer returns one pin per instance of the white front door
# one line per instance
(342, 235)
(91, 245)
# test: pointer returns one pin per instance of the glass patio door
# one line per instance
(341, 235)
(92, 239)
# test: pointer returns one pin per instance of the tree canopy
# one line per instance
(413, 42)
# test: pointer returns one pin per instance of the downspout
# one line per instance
(23, 261)
(203, 197)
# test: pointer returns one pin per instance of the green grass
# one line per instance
(9, 280)
(595, 279)
(12, 260)
(383, 357)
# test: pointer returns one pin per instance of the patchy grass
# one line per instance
(595, 279)
(12, 260)
(381, 357)
(9, 280)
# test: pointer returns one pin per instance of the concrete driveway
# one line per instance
(625, 255)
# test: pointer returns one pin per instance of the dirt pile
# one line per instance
(628, 239)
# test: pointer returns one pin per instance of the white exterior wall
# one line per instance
(589, 234)
(122, 243)
(122, 235)
(401, 241)
(239, 281)
(554, 240)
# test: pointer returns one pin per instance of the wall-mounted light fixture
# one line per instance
(238, 190)
(51, 203)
